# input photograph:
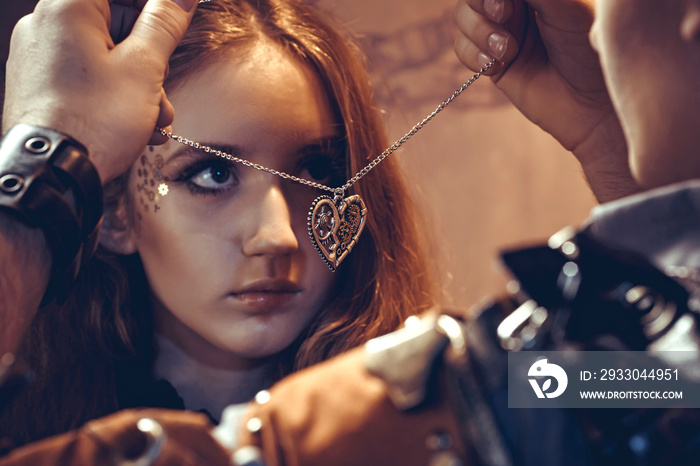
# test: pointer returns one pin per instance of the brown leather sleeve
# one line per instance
(188, 442)
(336, 413)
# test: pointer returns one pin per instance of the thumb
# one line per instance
(161, 25)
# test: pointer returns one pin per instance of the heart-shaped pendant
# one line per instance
(335, 226)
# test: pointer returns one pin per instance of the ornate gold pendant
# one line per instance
(335, 226)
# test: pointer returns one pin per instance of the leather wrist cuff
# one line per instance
(47, 181)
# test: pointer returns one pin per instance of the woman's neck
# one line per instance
(205, 387)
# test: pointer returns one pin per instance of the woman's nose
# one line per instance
(270, 230)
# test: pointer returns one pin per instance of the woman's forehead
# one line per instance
(254, 98)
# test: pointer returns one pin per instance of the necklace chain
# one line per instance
(341, 189)
(335, 224)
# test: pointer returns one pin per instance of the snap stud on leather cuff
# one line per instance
(47, 181)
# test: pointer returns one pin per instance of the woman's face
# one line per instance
(653, 76)
(232, 270)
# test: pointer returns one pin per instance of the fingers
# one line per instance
(157, 137)
(119, 434)
(473, 58)
(485, 35)
(165, 119)
(160, 27)
(161, 436)
(57, 13)
(498, 11)
(167, 113)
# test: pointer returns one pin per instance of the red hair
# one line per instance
(104, 333)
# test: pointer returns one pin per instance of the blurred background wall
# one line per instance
(484, 177)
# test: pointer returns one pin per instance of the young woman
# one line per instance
(206, 287)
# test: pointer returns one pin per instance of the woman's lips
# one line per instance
(266, 294)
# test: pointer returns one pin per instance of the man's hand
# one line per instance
(65, 72)
(552, 75)
(121, 438)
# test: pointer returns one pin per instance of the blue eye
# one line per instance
(211, 176)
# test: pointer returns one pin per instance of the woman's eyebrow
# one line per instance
(193, 152)
(333, 144)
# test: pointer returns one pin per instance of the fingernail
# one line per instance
(483, 59)
(498, 43)
(186, 5)
(494, 9)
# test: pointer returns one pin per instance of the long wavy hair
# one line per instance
(101, 341)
